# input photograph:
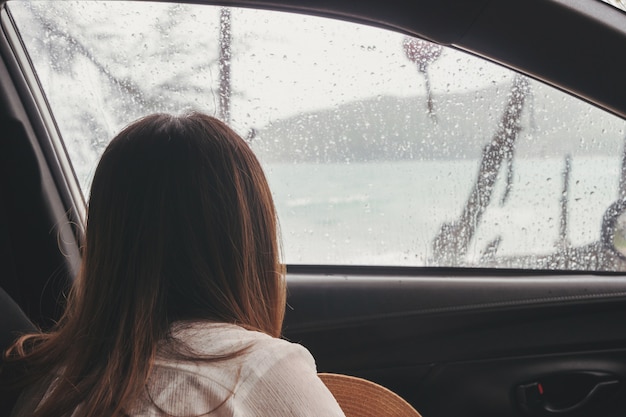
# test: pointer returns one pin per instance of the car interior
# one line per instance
(452, 338)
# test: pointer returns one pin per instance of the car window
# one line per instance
(380, 149)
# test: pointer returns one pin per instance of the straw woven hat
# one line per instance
(359, 397)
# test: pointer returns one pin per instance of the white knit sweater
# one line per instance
(272, 377)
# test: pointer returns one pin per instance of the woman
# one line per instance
(181, 296)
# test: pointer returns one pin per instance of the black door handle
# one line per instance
(563, 394)
(597, 391)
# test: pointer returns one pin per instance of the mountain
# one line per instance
(399, 128)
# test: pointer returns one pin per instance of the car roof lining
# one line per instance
(578, 55)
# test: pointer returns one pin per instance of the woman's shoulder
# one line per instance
(234, 345)
(211, 338)
(217, 363)
(271, 376)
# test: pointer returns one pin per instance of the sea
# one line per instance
(389, 212)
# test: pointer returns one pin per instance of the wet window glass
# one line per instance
(380, 149)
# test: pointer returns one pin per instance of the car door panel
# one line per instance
(473, 338)
(491, 387)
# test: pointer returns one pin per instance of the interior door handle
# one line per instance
(566, 393)
(597, 391)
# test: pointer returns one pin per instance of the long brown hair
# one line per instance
(181, 226)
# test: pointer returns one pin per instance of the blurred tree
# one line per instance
(423, 53)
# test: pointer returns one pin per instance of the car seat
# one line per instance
(13, 323)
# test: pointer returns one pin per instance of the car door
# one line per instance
(449, 225)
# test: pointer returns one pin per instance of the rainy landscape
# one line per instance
(380, 149)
